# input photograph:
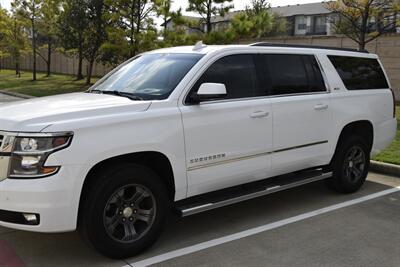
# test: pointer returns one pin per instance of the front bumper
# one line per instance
(55, 199)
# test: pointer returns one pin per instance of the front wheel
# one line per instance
(350, 165)
(125, 212)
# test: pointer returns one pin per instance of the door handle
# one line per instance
(259, 114)
(321, 107)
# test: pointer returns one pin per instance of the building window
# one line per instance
(320, 25)
(301, 23)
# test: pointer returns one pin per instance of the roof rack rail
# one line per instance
(306, 46)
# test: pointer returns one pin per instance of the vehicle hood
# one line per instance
(34, 115)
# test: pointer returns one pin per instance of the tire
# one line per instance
(124, 212)
(350, 165)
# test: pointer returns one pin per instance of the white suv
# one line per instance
(190, 129)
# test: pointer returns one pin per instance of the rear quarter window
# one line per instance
(359, 73)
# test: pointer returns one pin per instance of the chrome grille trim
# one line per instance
(6, 144)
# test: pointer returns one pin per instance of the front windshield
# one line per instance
(150, 77)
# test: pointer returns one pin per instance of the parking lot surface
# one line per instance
(364, 231)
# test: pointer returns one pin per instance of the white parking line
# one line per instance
(256, 230)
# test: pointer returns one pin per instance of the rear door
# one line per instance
(301, 112)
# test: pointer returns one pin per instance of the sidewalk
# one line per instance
(8, 98)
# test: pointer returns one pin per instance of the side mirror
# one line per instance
(209, 91)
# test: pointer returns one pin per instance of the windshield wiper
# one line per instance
(117, 93)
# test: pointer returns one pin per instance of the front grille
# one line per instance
(6, 142)
(5, 151)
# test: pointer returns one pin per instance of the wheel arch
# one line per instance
(156, 161)
(362, 128)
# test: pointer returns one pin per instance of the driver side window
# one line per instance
(237, 72)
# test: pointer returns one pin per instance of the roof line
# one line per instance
(266, 44)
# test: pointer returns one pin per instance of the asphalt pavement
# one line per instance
(365, 232)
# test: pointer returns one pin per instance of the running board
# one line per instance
(241, 193)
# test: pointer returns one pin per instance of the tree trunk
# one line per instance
(363, 31)
(48, 59)
(89, 72)
(361, 41)
(138, 25)
(165, 27)
(132, 30)
(208, 30)
(361, 46)
(34, 51)
(34, 39)
(17, 69)
(79, 75)
(208, 20)
(132, 41)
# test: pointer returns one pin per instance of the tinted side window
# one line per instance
(359, 73)
(293, 74)
(237, 72)
(315, 79)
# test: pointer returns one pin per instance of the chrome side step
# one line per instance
(268, 187)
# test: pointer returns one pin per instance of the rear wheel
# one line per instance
(350, 165)
(125, 211)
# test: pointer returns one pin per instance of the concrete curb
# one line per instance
(16, 94)
(385, 168)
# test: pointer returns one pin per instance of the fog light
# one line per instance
(31, 218)
(30, 162)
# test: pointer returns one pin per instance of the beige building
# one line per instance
(303, 20)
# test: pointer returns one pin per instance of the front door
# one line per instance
(228, 142)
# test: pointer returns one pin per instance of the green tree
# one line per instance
(29, 10)
(166, 14)
(179, 37)
(279, 25)
(219, 37)
(48, 29)
(363, 20)
(72, 23)
(208, 8)
(257, 21)
(95, 34)
(13, 38)
(135, 17)
(116, 49)
(4, 31)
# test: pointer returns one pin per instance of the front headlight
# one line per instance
(30, 152)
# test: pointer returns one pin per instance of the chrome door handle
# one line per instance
(321, 107)
(259, 114)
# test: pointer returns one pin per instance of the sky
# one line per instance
(239, 4)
